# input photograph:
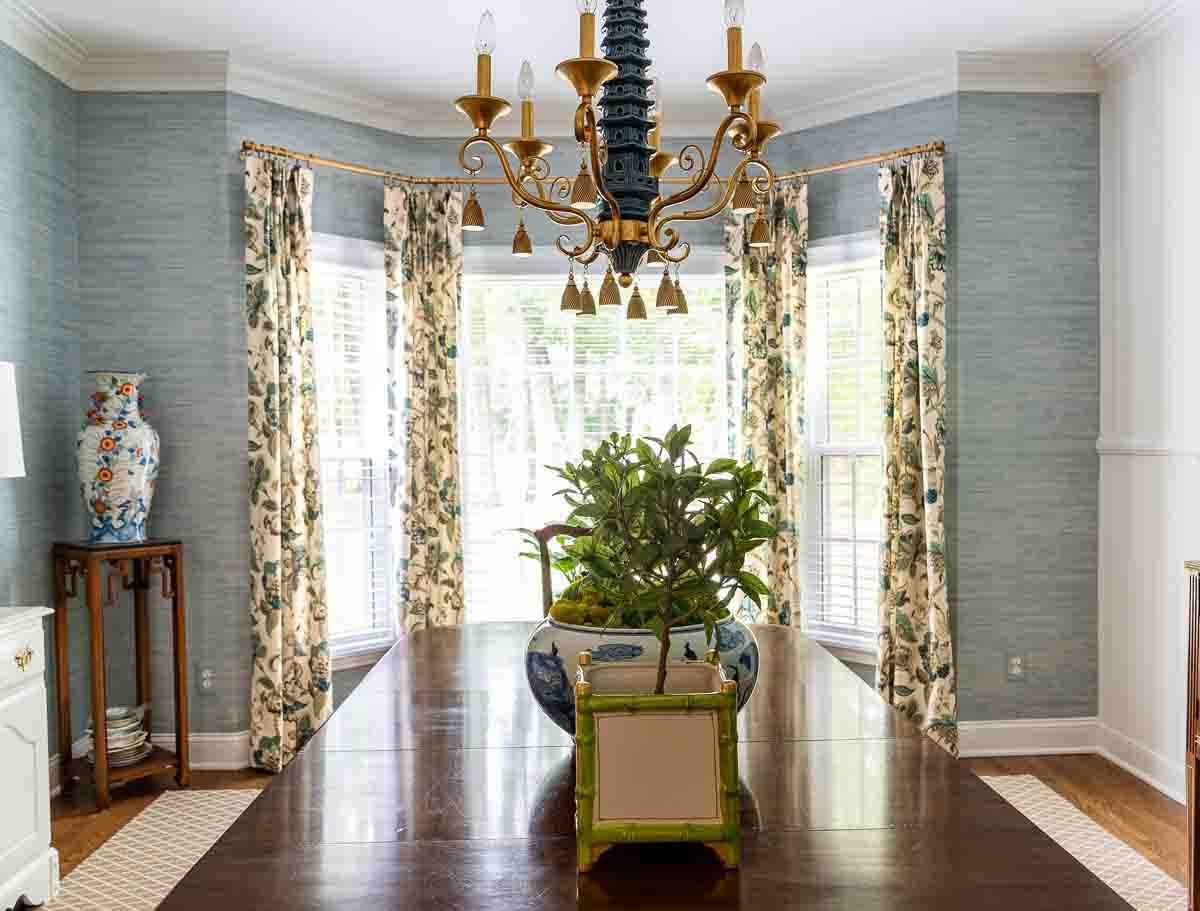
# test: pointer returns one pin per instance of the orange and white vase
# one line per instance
(117, 457)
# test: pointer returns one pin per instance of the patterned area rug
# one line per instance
(1135, 879)
(136, 868)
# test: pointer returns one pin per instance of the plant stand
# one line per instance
(655, 768)
(104, 568)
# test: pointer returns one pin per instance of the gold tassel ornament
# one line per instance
(610, 294)
(587, 303)
(521, 243)
(666, 293)
(760, 232)
(473, 214)
(743, 197)
(680, 301)
(637, 306)
(583, 191)
(570, 297)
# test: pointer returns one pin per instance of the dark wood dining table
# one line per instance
(440, 784)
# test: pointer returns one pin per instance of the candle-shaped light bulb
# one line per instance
(758, 60)
(735, 13)
(525, 84)
(587, 27)
(485, 35)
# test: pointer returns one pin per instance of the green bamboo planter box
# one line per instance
(655, 768)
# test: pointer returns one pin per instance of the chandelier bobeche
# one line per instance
(623, 157)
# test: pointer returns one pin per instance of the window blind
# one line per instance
(350, 359)
(844, 497)
(539, 386)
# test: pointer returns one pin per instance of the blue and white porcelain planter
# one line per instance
(552, 652)
(116, 454)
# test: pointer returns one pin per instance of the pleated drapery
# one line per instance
(766, 294)
(291, 692)
(916, 671)
(423, 255)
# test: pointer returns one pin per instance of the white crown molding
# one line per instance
(294, 92)
(1017, 73)
(1146, 29)
(879, 97)
(36, 37)
(186, 71)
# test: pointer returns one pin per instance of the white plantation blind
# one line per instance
(844, 496)
(538, 386)
(350, 353)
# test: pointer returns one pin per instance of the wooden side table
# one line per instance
(103, 567)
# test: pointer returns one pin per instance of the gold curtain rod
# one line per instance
(250, 148)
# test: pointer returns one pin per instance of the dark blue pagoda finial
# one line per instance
(625, 121)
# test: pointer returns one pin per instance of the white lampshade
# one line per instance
(12, 460)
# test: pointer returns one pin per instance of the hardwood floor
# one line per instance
(1151, 823)
(77, 829)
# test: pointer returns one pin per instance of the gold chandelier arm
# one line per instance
(538, 202)
(700, 214)
(687, 159)
(704, 177)
(560, 187)
(685, 250)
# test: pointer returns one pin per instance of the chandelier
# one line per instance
(616, 197)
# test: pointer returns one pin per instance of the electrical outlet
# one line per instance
(206, 679)
(1015, 667)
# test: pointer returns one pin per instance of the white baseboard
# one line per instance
(1169, 776)
(1031, 737)
(213, 751)
(1056, 736)
(208, 752)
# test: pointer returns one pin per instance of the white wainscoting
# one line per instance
(1149, 443)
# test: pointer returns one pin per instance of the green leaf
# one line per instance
(758, 529)
(720, 465)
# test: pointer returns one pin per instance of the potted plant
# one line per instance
(654, 554)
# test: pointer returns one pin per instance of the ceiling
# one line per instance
(417, 57)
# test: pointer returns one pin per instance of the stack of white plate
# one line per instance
(128, 743)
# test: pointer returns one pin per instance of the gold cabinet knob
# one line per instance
(24, 658)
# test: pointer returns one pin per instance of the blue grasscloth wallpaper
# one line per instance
(1027, 410)
(39, 328)
(121, 230)
(1022, 473)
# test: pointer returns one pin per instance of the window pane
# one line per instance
(349, 330)
(844, 393)
(546, 384)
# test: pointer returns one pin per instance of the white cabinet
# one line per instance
(28, 865)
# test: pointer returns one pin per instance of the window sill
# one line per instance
(847, 646)
(358, 655)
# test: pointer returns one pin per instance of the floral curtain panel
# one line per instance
(765, 292)
(423, 255)
(291, 694)
(916, 670)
